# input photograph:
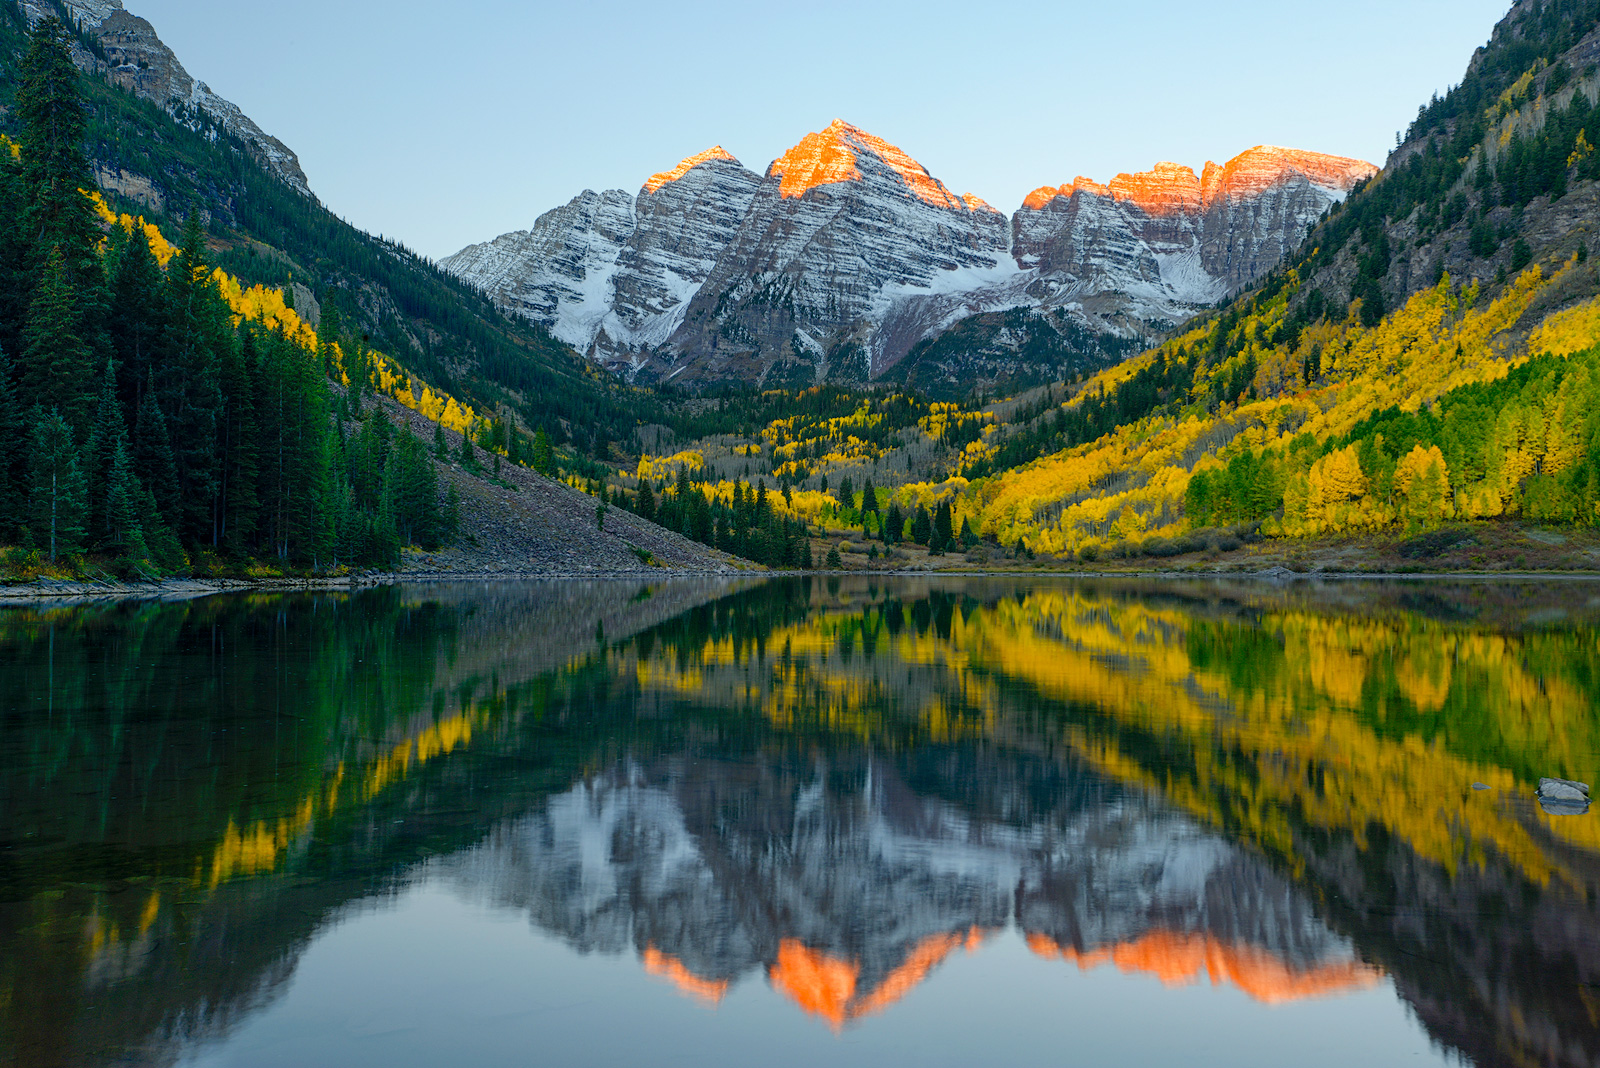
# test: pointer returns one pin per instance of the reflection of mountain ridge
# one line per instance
(836, 791)
(789, 869)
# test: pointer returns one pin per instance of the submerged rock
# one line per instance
(1564, 797)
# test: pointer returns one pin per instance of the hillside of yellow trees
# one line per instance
(1456, 406)
(1439, 412)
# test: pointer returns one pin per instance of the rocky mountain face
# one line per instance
(613, 274)
(847, 255)
(138, 60)
(1154, 246)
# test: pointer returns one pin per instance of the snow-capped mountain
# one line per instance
(140, 62)
(612, 274)
(847, 253)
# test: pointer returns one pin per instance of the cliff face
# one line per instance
(847, 254)
(1168, 241)
(140, 62)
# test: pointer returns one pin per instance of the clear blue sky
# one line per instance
(444, 124)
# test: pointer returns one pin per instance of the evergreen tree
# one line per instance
(869, 498)
(13, 435)
(198, 327)
(17, 271)
(894, 524)
(969, 537)
(847, 493)
(58, 495)
(646, 506)
(412, 489)
(385, 545)
(544, 460)
(921, 526)
(441, 450)
(153, 463)
(238, 441)
(942, 523)
(357, 369)
(469, 459)
(56, 365)
(124, 533)
(55, 169)
(135, 318)
(107, 434)
(328, 336)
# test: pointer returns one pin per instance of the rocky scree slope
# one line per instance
(847, 254)
(518, 522)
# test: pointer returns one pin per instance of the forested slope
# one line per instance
(263, 231)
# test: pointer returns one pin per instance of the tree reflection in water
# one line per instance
(831, 788)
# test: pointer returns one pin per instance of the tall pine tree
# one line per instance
(58, 495)
(13, 435)
(55, 169)
(153, 462)
(135, 319)
(56, 366)
(107, 433)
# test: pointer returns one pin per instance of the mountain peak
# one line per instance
(832, 156)
(715, 152)
(1263, 166)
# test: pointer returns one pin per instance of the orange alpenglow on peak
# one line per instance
(829, 157)
(1180, 959)
(1171, 188)
(1165, 189)
(1257, 168)
(672, 969)
(1045, 194)
(715, 152)
(822, 985)
(826, 986)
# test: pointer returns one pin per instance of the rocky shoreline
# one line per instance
(63, 591)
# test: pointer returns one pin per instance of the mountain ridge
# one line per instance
(848, 254)
(135, 58)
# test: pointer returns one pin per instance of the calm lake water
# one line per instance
(857, 822)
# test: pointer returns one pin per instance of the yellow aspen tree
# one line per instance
(1336, 482)
(1422, 482)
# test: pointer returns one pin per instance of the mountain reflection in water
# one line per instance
(832, 789)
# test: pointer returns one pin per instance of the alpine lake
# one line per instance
(843, 821)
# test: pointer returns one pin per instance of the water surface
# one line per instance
(955, 821)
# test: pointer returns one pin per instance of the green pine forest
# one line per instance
(138, 423)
